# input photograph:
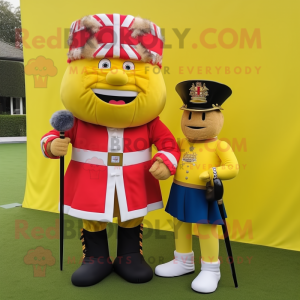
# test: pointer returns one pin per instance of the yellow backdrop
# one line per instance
(252, 46)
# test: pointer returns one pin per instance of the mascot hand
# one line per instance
(59, 147)
(205, 176)
(159, 170)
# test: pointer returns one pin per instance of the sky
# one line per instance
(15, 3)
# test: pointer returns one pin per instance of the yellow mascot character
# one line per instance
(115, 90)
(203, 157)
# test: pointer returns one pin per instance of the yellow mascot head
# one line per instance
(114, 77)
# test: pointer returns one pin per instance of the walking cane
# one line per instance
(227, 243)
(61, 121)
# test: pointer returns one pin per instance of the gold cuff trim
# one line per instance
(190, 185)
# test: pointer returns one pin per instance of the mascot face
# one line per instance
(200, 125)
(113, 92)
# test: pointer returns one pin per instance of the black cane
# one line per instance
(227, 243)
(61, 121)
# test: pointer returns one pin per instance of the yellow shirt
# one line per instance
(202, 156)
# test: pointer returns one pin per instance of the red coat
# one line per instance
(105, 159)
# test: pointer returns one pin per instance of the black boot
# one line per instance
(130, 263)
(96, 264)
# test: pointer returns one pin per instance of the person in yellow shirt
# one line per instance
(202, 154)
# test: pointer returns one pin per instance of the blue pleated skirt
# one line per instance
(190, 205)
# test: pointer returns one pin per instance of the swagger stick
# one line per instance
(227, 243)
(61, 121)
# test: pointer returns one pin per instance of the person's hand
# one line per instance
(205, 176)
(159, 170)
(59, 147)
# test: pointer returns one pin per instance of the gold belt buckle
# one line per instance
(115, 159)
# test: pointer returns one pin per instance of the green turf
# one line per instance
(272, 273)
(12, 172)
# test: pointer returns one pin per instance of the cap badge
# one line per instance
(198, 93)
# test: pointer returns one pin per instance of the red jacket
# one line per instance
(105, 159)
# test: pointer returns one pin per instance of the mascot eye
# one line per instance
(128, 66)
(104, 64)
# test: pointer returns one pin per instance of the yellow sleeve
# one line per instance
(179, 143)
(229, 167)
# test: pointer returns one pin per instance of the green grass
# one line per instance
(272, 273)
(12, 172)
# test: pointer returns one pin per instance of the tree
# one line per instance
(10, 21)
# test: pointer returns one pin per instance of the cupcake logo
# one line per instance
(40, 68)
(94, 166)
(39, 258)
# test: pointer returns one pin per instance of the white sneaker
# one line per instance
(207, 280)
(181, 265)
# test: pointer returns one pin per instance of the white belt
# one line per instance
(111, 158)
